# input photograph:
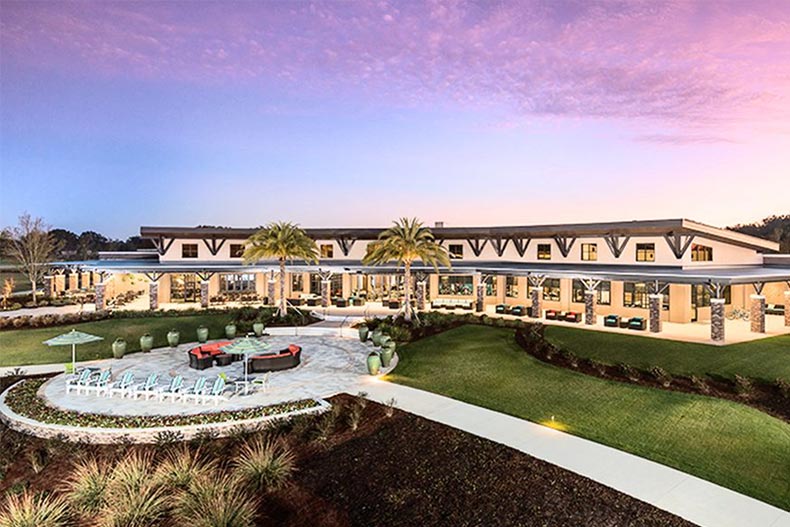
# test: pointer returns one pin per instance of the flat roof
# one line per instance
(631, 273)
(620, 228)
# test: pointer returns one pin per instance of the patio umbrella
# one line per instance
(246, 346)
(72, 338)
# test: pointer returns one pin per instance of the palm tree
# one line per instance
(283, 241)
(407, 241)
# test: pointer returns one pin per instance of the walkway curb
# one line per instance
(687, 496)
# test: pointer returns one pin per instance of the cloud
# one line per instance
(675, 63)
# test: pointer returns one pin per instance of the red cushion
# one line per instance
(293, 348)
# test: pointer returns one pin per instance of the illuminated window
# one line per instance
(701, 253)
(237, 282)
(645, 252)
(511, 286)
(327, 250)
(297, 282)
(551, 289)
(604, 291)
(236, 250)
(544, 251)
(456, 285)
(189, 250)
(456, 250)
(635, 294)
(589, 252)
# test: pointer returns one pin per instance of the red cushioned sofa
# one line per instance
(203, 356)
(282, 360)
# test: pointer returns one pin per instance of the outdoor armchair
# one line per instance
(194, 391)
(78, 381)
(173, 389)
(98, 382)
(147, 388)
(123, 386)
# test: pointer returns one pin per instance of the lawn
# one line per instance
(765, 359)
(727, 443)
(24, 347)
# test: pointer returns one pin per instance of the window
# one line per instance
(327, 250)
(604, 291)
(189, 250)
(237, 282)
(297, 283)
(589, 252)
(635, 294)
(456, 250)
(551, 289)
(491, 286)
(456, 285)
(511, 286)
(236, 250)
(544, 251)
(335, 284)
(701, 253)
(645, 252)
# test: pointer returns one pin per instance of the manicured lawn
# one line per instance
(728, 443)
(23, 347)
(765, 359)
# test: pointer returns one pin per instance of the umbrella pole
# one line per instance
(74, 358)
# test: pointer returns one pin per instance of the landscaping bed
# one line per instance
(364, 464)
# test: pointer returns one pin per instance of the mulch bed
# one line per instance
(401, 470)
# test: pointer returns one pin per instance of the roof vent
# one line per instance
(438, 225)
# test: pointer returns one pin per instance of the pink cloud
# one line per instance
(678, 63)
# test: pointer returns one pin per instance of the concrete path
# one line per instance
(689, 497)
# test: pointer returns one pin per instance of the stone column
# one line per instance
(204, 300)
(153, 295)
(481, 296)
(717, 319)
(49, 286)
(99, 294)
(325, 293)
(655, 312)
(537, 302)
(757, 315)
(420, 294)
(787, 308)
(270, 292)
(86, 280)
(590, 298)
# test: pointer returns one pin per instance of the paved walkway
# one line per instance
(689, 497)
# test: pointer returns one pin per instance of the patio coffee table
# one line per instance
(223, 359)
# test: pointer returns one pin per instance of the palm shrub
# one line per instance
(213, 500)
(406, 242)
(181, 467)
(700, 384)
(283, 241)
(629, 372)
(743, 386)
(34, 510)
(264, 464)
(86, 486)
(661, 376)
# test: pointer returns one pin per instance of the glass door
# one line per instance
(184, 288)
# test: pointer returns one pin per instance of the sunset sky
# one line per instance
(114, 115)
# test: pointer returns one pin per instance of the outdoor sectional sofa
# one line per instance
(282, 360)
(205, 355)
(452, 303)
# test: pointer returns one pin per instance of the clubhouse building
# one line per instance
(634, 274)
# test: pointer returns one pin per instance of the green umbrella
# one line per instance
(246, 346)
(72, 338)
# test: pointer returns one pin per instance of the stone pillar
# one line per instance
(420, 294)
(99, 293)
(325, 293)
(481, 297)
(86, 280)
(153, 295)
(757, 315)
(655, 312)
(270, 292)
(787, 308)
(717, 319)
(204, 301)
(537, 302)
(49, 286)
(73, 281)
(590, 298)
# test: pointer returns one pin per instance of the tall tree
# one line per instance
(406, 242)
(284, 241)
(32, 247)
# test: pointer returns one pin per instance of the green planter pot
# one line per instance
(374, 364)
(386, 355)
(376, 337)
(230, 331)
(363, 333)
(385, 340)
(202, 334)
(258, 328)
(146, 343)
(173, 337)
(119, 348)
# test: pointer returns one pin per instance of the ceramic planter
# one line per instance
(202, 334)
(386, 354)
(374, 364)
(146, 343)
(258, 328)
(230, 331)
(173, 337)
(376, 337)
(363, 333)
(385, 340)
(119, 348)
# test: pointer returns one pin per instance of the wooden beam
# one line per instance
(678, 243)
(213, 246)
(162, 244)
(205, 276)
(758, 287)
(154, 276)
(564, 244)
(616, 243)
(499, 245)
(590, 284)
(346, 244)
(477, 245)
(521, 245)
(714, 288)
(536, 280)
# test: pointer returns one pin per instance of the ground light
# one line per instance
(553, 423)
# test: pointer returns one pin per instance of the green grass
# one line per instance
(22, 347)
(765, 359)
(727, 443)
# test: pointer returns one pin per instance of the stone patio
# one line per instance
(329, 365)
